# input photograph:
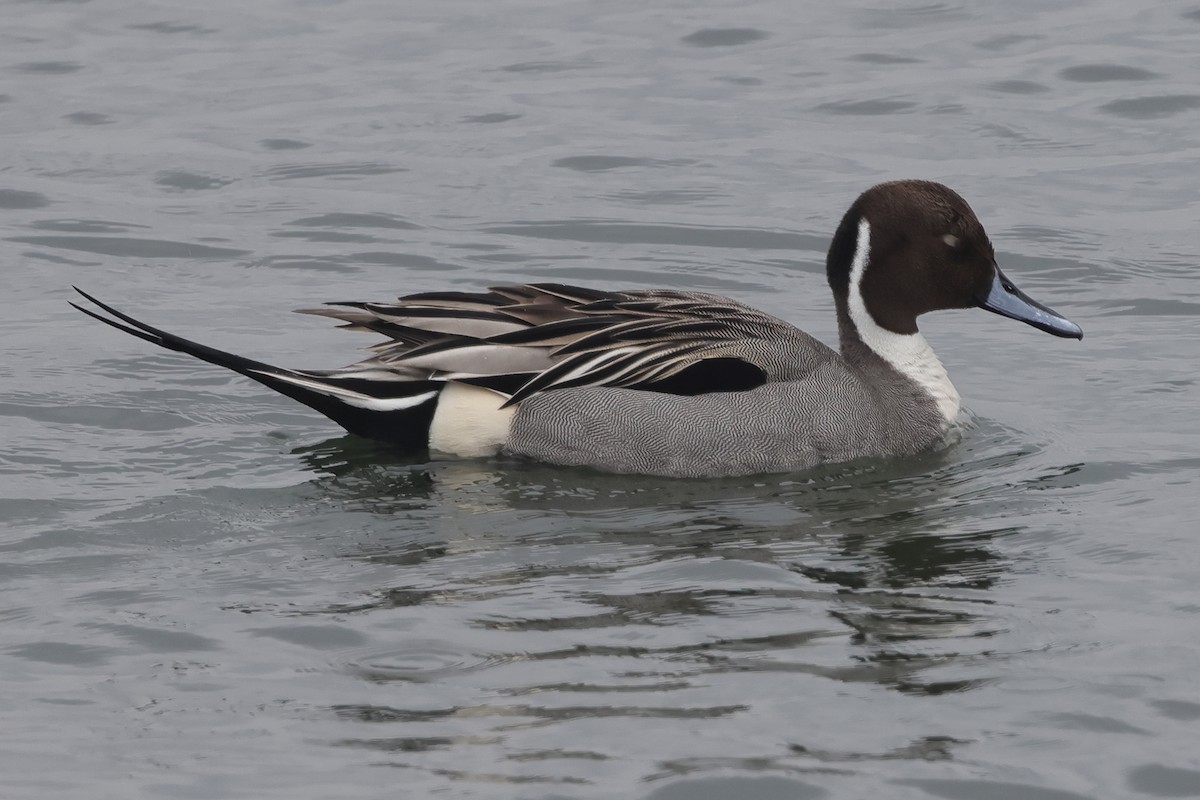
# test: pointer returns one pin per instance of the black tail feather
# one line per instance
(407, 427)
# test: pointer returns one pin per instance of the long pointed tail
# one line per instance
(395, 411)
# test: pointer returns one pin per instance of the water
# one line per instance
(208, 592)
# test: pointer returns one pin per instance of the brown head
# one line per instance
(908, 247)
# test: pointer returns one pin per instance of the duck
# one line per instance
(665, 382)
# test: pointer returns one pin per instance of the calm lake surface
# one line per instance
(209, 592)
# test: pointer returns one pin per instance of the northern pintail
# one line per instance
(668, 382)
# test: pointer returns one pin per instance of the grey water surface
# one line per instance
(207, 591)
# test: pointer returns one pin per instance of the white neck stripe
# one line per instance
(909, 354)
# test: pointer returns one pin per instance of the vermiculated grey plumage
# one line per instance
(833, 414)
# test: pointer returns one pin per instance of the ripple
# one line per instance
(109, 417)
(684, 235)
(387, 714)
(129, 247)
(315, 637)
(532, 715)
(284, 144)
(1149, 307)
(88, 118)
(925, 748)
(605, 163)
(304, 262)
(885, 58)
(64, 653)
(740, 80)
(1160, 781)
(158, 640)
(1005, 41)
(491, 119)
(544, 755)
(1156, 107)
(170, 27)
(866, 107)
(962, 789)
(421, 661)
(592, 688)
(1093, 724)
(350, 220)
(85, 226)
(1017, 87)
(116, 598)
(545, 66)
(770, 787)
(1097, 73)
(568, 713)
(416, 744)
(15, 199)
(1183, 710)
(911, 16)
(48, 67)
(336, 237)
(184, 181)
(666, 197)
(290, 172)
(413, 260)
(724, 37)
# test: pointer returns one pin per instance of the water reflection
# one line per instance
(872, 526)
(594, 596)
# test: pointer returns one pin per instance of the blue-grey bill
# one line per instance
(1004, 298)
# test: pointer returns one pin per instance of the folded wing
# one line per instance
(520, 340)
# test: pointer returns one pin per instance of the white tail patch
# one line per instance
(909, 353)
(391, 403)
(351, 397)
(469, 421)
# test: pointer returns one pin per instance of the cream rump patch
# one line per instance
(469, 422)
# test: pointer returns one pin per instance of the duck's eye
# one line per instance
(952, 241)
